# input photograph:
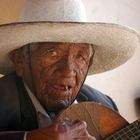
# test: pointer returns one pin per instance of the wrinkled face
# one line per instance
(59, 70)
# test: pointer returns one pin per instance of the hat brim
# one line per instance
(113, 44)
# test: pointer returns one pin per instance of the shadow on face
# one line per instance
(58, 70)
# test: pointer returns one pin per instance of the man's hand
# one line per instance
(62, 130)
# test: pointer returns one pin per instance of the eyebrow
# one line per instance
(53, 45)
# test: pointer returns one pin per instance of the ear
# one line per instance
(18, 60)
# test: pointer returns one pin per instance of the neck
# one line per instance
(130, 132)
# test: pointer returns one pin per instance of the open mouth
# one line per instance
(63, 87)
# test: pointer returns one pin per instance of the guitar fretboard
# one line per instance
(130, 132)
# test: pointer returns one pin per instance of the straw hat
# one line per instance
(65, 21)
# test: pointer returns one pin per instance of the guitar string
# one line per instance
(131, 132)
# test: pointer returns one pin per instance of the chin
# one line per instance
(59, 106)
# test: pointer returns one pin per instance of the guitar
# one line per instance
(102, 122)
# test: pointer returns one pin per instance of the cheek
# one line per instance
(79, 81)
(40, 77)
(42, 71)
(74, 93)
(81, 74)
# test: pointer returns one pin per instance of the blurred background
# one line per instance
(122, 83)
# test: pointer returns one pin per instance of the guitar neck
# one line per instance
(130, 132)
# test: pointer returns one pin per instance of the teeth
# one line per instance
(66, 88)
(63, 87)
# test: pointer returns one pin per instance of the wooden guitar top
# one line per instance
(101, 121)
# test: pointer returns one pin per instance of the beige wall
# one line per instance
(9, 10)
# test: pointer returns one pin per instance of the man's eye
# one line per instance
(51, 53)
(80, 57)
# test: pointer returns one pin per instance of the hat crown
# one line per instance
(53, 10)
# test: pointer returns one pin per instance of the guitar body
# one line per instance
(101, 121)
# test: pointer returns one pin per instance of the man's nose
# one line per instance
(68, 68)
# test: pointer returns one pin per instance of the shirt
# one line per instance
(37, 105)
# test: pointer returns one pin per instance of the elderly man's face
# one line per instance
(59, 70)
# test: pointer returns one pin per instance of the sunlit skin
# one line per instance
(59, 70)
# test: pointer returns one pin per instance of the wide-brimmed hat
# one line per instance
(65, 21)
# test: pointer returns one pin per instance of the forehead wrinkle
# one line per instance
(49, 45)
(35, 46)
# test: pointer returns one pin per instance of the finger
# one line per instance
(67, 125)
(83, 133)
(78, 129)
(78, 125)
(72, 124)
(87, 134)
(92, 138)
(57, 119)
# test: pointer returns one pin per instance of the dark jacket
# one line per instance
(17, 112)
